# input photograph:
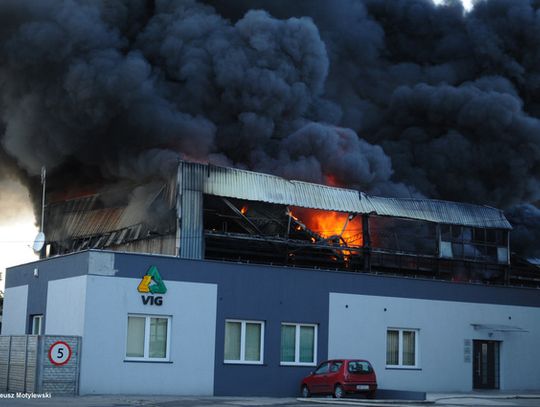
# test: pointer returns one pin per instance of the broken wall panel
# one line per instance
(113, 219)
(403, 235)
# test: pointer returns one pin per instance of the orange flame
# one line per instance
(330, 223)
(331, 180)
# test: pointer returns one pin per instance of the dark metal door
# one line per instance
(485, 364)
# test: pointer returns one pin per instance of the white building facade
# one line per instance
(222, 328)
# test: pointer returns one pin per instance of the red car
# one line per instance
(340, 377)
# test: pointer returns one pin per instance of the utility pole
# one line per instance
(43, 184)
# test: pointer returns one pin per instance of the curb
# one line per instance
(490, 397)
(371, 403)
(360, 402)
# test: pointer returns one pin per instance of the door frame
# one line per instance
(486, 364)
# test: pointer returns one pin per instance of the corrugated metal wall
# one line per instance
(165, 245)
(191, 180)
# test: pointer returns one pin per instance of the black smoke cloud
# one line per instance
(395, 97)
(525, 219)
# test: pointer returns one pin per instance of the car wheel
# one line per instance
(305, 392)
(338, 391)
(371, 395)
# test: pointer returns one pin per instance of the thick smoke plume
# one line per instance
(394, 97)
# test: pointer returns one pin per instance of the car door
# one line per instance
(319, 378)
(334, 375)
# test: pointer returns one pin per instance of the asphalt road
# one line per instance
(175, 401)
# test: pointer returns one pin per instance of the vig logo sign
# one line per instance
(152, 283)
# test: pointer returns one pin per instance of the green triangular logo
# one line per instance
(152, 282)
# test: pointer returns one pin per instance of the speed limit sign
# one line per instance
(59, 353)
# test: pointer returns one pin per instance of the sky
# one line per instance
(16, 234)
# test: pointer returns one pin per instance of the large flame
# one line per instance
(330, 224)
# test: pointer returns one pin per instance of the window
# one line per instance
(403, 235)
(322, 369)
(298, 344)
(37, 324)
(360, 366)
(244, 341)
(478, 244)
(402, 348)
(148, 337)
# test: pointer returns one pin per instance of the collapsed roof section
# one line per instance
(140, 218)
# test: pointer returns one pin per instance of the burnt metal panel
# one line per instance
(317, 196)
(145, 211)
(253, 186)
(445, 212)
(248, 185)
(242, 184)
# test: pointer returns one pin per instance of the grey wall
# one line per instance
(190, 369)
(15, 310)
(48, 270)
(277, 294)
(358, 325)
(269, 294)
(273, 295)
(66, 302)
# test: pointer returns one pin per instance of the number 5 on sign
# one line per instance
(59, 353)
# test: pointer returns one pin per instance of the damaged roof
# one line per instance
(86, 222)
(253, 186)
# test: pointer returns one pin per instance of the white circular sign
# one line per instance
(59, 353)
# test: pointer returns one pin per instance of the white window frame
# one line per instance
(38, 317)
(400, 364)
(146, 358)
(242, 359)
(297, 345)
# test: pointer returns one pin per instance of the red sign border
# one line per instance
(51, 348)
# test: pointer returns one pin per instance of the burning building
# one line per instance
(255, 279)
(227, 214)
(252, 278)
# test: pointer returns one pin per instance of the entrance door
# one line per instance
(486, 364)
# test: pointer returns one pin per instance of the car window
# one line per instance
(323, 368)
(359, 366)
(335, 366)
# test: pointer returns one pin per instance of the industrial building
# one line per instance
(223, 281)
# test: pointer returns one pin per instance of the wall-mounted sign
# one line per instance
(467, 350)
(59, 353)
(152, 283)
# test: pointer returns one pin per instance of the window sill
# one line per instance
(242, 362)
(403, 368)
(146, 361)
(292, 364)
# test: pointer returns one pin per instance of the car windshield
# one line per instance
(360, 366)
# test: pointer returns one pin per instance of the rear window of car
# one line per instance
(360, 367)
